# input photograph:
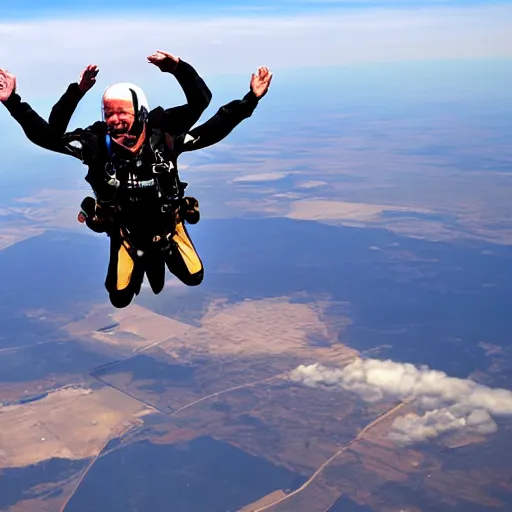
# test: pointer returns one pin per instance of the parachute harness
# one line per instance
(170, 190)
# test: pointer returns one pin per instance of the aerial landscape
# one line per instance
(349, 349)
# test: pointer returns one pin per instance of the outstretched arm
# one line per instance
(63, 110)
(178, 120)
(227, 117)
(35, 127)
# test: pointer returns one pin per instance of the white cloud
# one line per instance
(253, 178)
(447, 403)
(47, 54)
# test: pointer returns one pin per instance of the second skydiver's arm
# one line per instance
(35, 127)
(227, 117)
(81, 143)
(218, 126)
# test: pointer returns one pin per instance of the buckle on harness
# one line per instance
(111, 173)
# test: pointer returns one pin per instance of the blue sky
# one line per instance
(379, 47)
(236, 36)
(194, 8)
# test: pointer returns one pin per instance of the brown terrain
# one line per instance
(12, 235)
(354, 179)
(238, 393)
(40, 432)
(226, 375)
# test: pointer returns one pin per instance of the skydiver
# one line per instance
(128, 133)
(132, 168)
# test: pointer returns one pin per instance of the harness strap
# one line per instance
(166, 180)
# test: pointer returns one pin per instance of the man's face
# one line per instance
(119, 116)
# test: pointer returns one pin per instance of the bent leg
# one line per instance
(124, 275)
(184, 261)
(155, 271)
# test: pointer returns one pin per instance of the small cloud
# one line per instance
(261, 177)
(447, 403)
(311, 184)
(414, 428)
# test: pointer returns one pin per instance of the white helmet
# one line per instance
(130, 92)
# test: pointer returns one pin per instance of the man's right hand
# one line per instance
(88, 77)
(7, 84)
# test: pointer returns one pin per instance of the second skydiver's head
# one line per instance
(125, 111)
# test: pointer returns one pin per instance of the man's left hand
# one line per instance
(7, 84)
(164, 61)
